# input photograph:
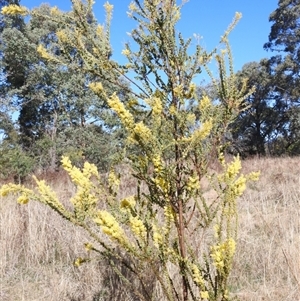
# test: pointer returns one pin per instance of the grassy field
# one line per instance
(38, 248)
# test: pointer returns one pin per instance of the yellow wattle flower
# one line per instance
(97, 88)
(128, 203)
(137, 227)
(204, 295)
(204, 104)
(203, 131)
(126, 52)
(233, 168)
(110, 226)
(14, 9)
(156, 106)
(62, 36)
(222, 254)
(43, 52)
(239, 185)
(54, 11)
(157, 164)
(23, 199)
(125, 116)
(108, 7)
(47, 196)
(169, 213)
(143, 132)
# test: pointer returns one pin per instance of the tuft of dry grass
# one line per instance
(38, 248)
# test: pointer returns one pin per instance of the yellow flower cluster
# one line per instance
(143, 132)
(190, 119)
(197, 277)
(125, 116)
(254, 176)
(202, 132)
(54, 11)
(43, 52)
(169, 213)
(137, 226)
(14, 9)
(88, 246)
(79, 178)
(222, 254)
(239, 186)
(192, 183)
(132, 7)
(233, 168)
(191, 92)
(222, 158)
(99, 30)
(84, 199)
(89, 170)
(204, 104)
(159, 179)
(108, 7)
(157, 164)
(14, 189)
(23, 199)
(126, 52)
(172, 110)
(48, 196)
(110, 226)
(162, 183)
(156, 106)
(178, 91)
(128, 203)
(96, 88)
(204, 295)
(62, 36)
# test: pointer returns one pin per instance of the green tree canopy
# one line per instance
(53, 99)
(264, 118)
(284, 39)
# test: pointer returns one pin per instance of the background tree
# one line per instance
(264, 119)
(58, 113)
(284, 39)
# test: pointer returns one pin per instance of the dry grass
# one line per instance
(37, 247)
(267, 265)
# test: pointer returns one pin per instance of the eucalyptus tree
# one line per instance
(265, 115)
(284, 40)
(53, 100)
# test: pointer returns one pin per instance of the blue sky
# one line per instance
(207, 18)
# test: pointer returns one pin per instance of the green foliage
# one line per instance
(264, 118)
(15, 162)
(285, 66)
(182, 217)
(53, 99)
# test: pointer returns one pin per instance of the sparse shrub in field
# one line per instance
(14, 162)
(180, 225)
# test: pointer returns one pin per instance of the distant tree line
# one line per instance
(48, 109)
